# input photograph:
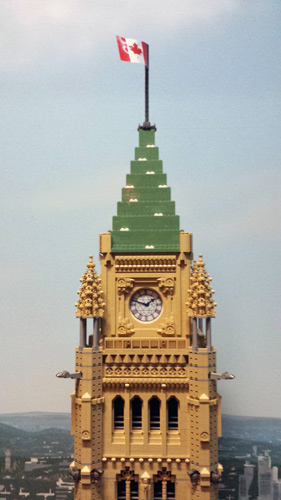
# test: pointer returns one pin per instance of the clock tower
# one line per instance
(145, 410)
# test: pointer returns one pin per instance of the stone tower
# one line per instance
(145, 410)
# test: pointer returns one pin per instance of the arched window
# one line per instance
(157, 490)
(164, 485)
(170, 490)
(118, 412)
(154, 413)
(172, 413)
(134, 490)
(121, 490)
(136, 406)
(127, 485)
(169, 486)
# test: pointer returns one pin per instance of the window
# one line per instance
(157, 490)
(164, 485)
(172, 414)
(118, 411)
(136, 413)
(154, 413)
(170, 490)
(121, 490)
(127, 485)
(134, 490)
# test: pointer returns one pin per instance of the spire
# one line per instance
(200, 302)
(90, 304)
(146, 220)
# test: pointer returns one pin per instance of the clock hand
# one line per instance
(149, 302)
(138, 302)
(146, 304)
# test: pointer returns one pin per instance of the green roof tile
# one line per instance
(142, 167)
(145, 220)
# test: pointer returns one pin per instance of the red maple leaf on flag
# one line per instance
(134, 48)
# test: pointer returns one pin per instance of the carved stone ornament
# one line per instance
(194, 475)
(144, 372)
(167, 328)
(146, 484)
(125, 285)
(204, 436)
(85, 435)
(90, 303)
(96, 475)
(199, 300)
(215, 477)
(127, 474)
(166, 285)
(125, 327)
(75, 474)
(164, 475)
(145, 264)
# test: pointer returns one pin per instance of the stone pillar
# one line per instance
(194, 335)
(83, 332)
(96, 334)
(209, 334)
(145, 492)
(128, 489)
(164, 490)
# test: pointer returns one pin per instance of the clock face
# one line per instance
(146, 305)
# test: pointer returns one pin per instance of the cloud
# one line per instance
(33, 30)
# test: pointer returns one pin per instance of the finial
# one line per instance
(90, 264)
(200, 302)
(90, 304)
(147, 126)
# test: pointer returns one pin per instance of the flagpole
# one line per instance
(146, 69)
(146, 124)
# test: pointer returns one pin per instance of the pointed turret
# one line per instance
(90, 304)
(200, 302)
(146, 220)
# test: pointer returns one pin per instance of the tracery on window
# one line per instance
(127, 485)
(164, 485)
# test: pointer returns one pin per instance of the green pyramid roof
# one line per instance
(146, 220)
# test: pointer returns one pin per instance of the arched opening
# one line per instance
(164, 485)
(154, 414)
(173, 414)
(127, 485)
(157, 490)
(136, 405)
(121, 490)
(134, 490)
(118, 413)
(170, 490)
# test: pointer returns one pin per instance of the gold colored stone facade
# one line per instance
(145, 413)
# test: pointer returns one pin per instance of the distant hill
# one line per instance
(253, 429)
(37, 421)
(47, 442)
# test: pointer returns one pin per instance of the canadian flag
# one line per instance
(131, 50)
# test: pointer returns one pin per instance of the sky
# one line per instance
(69, 115)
